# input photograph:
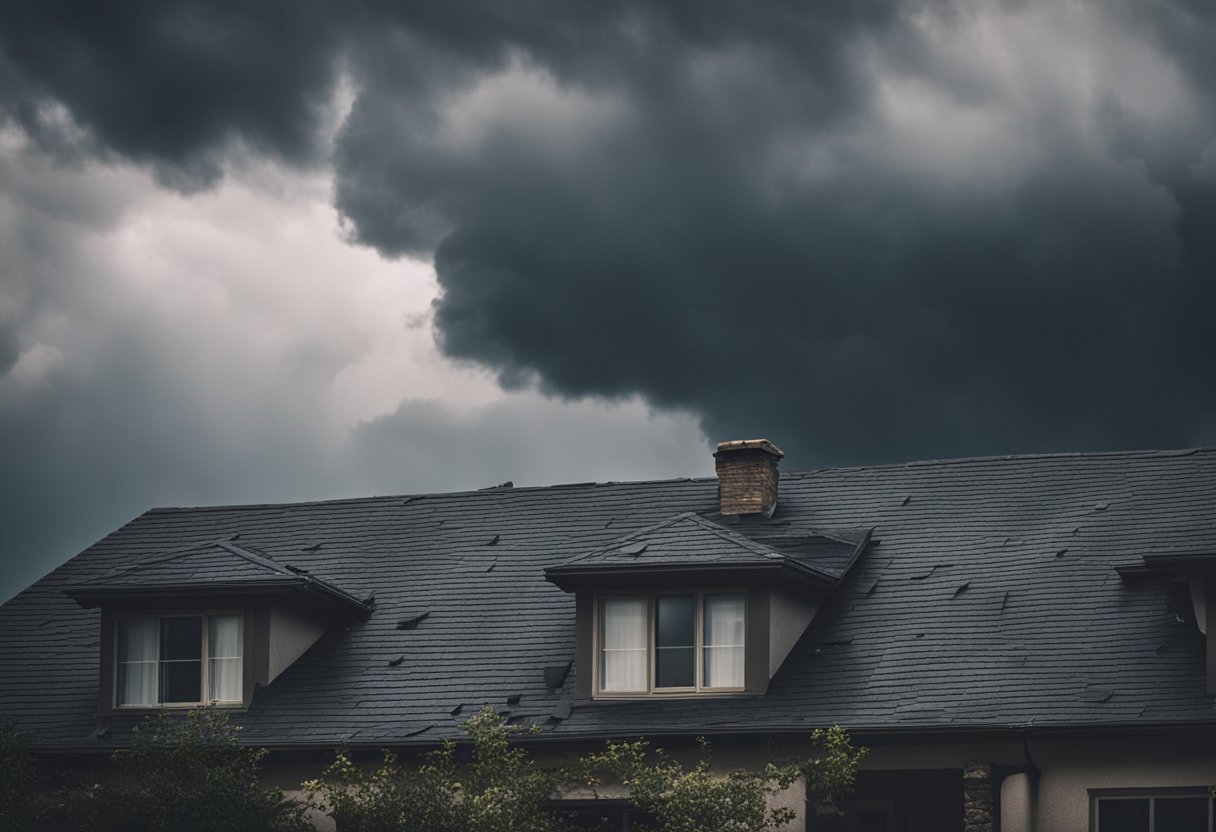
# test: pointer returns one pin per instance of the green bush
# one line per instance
(498, 790)
(181, 775)
(18, 810)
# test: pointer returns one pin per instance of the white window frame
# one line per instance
(699, 689)
(205, 656)
(1099, 796)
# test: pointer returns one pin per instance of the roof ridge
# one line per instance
(591, 485)
(971, 460)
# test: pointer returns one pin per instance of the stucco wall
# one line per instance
(1058, 802)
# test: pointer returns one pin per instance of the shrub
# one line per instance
(697, 800)
(182, 775)
(499, 788)
(18, 811)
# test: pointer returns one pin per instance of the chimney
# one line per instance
(747, 476)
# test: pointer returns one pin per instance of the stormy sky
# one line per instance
(295, 250)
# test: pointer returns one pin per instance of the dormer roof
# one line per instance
(689, 544)
(219, 567)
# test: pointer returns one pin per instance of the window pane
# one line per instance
(137, 661)
(1121, 815)
(675, 631)
(224, 658)
(623, 655)
(723, 640)
(181, 638)
(1180, 814)
(181, 659)
(180, 681)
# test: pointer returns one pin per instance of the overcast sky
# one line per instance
(296, 250)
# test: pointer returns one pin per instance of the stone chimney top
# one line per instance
(747, 476)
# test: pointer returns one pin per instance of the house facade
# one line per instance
(1021, 641)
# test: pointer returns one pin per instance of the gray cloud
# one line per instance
(884, 231)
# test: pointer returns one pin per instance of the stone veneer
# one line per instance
(977, 798)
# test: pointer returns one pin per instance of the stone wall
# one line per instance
(977, 798)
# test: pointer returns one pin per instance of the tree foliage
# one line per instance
(695, 799)
(498, 789)
(18, 810)
(186, 774)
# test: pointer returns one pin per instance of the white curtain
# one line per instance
(723, 640)
(623, 654)
(137, 661)
(224, 658)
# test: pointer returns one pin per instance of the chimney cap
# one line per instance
(750, 445)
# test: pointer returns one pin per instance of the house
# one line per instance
(1021, 641)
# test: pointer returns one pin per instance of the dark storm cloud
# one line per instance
(885, 231)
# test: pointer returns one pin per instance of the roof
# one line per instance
(986, 598)
(689, 542)
(212, 568)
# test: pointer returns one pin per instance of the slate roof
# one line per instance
(216, 566)
(690, 542)
(987, 598)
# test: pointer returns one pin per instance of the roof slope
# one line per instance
(986, 598)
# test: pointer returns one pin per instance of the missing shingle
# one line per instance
(370, 601)
(396, 662)
(490, 568)
(456, 711)
(921, 576)
(412, 623)
(1061, 553)
(493, 540)
(514, 698)
(960, 589)
(905, 500)
(870, 589)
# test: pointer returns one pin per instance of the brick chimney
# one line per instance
(747, 476)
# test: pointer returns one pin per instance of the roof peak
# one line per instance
(588, 485)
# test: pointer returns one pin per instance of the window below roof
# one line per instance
(1151, 810)
(671, 643)
(179, 660)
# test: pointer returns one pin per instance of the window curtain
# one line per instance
(723, 640)
(224, 658)
(623, 655)
(137, 661)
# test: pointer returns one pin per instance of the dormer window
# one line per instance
(672, 643)
(206, 625)
(689, 607)
(179, 660)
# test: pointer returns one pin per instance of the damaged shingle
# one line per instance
(634, 549)
(493, 540)
(1062, 553)
(1096, 694)
(514, 698)
(412, 623)
(456, 710)
(960, 589)
(396, 662)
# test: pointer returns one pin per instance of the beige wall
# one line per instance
(1060, 803)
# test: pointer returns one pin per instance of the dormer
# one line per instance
(1197, 571)
(694, 607)
(205, 625)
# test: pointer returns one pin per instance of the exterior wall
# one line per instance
(790, 614)
(292, 632)
(1057, 800)
(1071, 768)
